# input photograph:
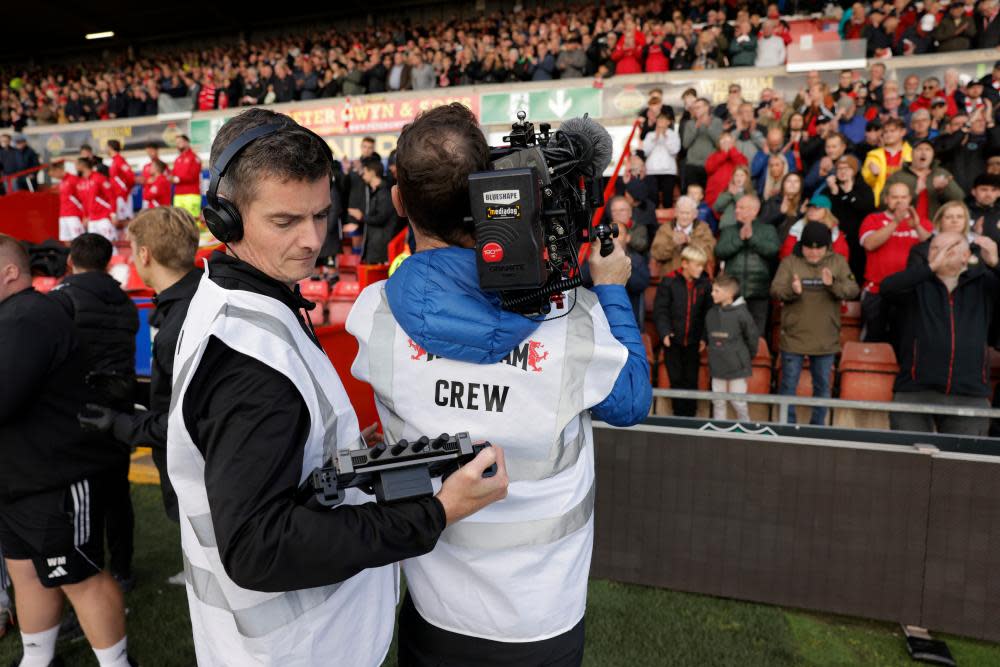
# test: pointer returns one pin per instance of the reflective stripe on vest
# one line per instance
(260, 619)
(380, 361)
(486, 536)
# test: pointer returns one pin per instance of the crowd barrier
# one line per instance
(897, 532)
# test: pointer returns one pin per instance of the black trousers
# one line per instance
(759, 309)
(665, 188)
(424, 645)
(682, 368)
(119, 520)
(693, 174)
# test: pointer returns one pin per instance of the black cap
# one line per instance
(925, 141)
(992, 180)
(816, 235)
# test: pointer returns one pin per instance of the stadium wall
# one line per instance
(900, 533)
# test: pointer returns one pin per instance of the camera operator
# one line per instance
(52, 476)
(256, 407)
(510, 587)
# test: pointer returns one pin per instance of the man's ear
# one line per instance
(144, 255)
(397, 202)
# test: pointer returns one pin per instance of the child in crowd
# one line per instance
(697, 193)
(679, 313)
(732, 344)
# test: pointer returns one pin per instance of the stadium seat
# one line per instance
(371, 273)
(348, 263)
(664, 215)
(867, 373)
(318, 291)
(850, 322)
(345, 290)
(44, 284)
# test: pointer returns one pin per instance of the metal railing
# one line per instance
(784, 401)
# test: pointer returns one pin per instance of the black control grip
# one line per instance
(492, 470)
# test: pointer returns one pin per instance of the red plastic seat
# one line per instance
(867, 371)
(345, 290)
(664, 215)
(348, 263)
(371, 273)
(44, 284)
(314, 289)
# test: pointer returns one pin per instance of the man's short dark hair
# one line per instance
(726, 281)
(152, 144)
(370, 140)
(375, 164)
(291, 154)
(90, 252)
(894, 122)
(434, 157)
(115, 145)
(13, 251)
(86, 147)
(185, 138)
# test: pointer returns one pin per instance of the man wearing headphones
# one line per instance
(256, 407)
(508, 586)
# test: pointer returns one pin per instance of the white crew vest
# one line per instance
(517, 570)
(349, 623)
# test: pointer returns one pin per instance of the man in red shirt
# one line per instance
(122, 180)
(96, 194)
(70, 205)
(887, 237)
(187, 178)
(157, 189)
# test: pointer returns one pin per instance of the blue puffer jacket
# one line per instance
(435, 297)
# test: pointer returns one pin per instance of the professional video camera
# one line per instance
(534, 209)
(401, 471)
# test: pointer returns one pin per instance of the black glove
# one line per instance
(102, 419)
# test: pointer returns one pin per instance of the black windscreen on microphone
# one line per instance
(592, 139)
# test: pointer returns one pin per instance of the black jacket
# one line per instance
(990, 216)
(964, 154)
(105, 317)
(379, 223)
(850, 209)
(149, 427)
(42, 446)
(732, 341)
(943, 336)
(250, 424)
(680, 307)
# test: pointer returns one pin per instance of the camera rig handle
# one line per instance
(605, 232)
(392, 473)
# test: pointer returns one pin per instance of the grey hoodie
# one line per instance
(732, 340)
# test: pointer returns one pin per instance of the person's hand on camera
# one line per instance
(615, 269)
(466, 492)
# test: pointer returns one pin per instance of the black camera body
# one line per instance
(534, 209)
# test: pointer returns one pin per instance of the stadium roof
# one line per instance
(57, 27)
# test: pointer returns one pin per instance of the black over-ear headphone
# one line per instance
(222, 217)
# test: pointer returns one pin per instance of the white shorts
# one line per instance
(124, 208)
(70, 226)
(103, 227)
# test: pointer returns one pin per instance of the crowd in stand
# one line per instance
(872, 189)
(538, 44)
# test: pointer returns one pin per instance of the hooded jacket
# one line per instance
(943, 335)
(435, 297)
(810, 322)
(732, 340)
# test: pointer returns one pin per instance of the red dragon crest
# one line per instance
(418, 351)
(535, 355)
